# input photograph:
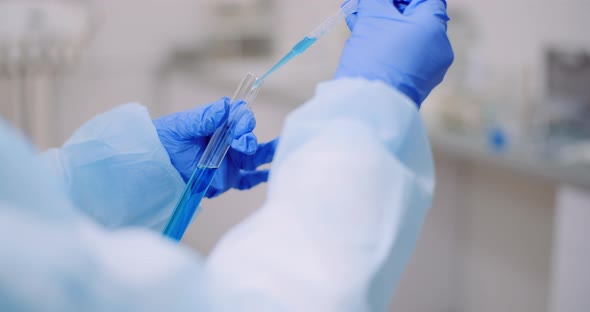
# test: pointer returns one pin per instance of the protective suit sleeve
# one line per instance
(350, 186)
(55, 259)
(116, 170)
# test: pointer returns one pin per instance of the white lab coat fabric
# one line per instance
(350, 186)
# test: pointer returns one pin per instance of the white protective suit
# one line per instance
(351, 184)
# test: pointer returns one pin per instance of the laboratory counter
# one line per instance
(528, 161)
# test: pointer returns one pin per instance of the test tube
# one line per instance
(199, 183)
(215, 153)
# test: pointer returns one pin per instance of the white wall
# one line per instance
(131, 40)
(571, 275)
(506, 226)
(514, 34)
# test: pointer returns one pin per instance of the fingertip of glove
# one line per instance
(433, 4)
(351, 21)
(212, 193)
(220, 105)
(244, 122)
(246, 144)
(436, 8)
(252, 179)
(252, 143)
(224, 104)
(251, 121)
(219, 112)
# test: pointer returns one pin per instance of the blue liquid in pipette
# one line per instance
(189, 202)
(299, 48)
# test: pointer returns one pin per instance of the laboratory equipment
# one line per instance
(207, 167)
(327, 25)
(565, 111)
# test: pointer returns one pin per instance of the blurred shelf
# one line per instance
(523, 160)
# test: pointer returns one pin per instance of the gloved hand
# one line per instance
(185, 136)
(405, 46)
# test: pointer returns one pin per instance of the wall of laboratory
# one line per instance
(120, 65)
(511, 38)
(133, 41)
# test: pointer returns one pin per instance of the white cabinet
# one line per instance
(571, 252)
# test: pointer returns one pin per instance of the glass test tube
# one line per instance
(211, 159)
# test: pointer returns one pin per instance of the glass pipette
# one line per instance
(327, 25)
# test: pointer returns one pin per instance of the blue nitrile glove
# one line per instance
(185, 136)
(405, 46)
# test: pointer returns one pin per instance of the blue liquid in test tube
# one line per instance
(191, 199)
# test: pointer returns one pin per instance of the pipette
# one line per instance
(320, 31)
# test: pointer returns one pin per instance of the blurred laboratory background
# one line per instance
(510, 126)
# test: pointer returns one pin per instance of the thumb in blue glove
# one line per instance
(402, 44)
(185, 135)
